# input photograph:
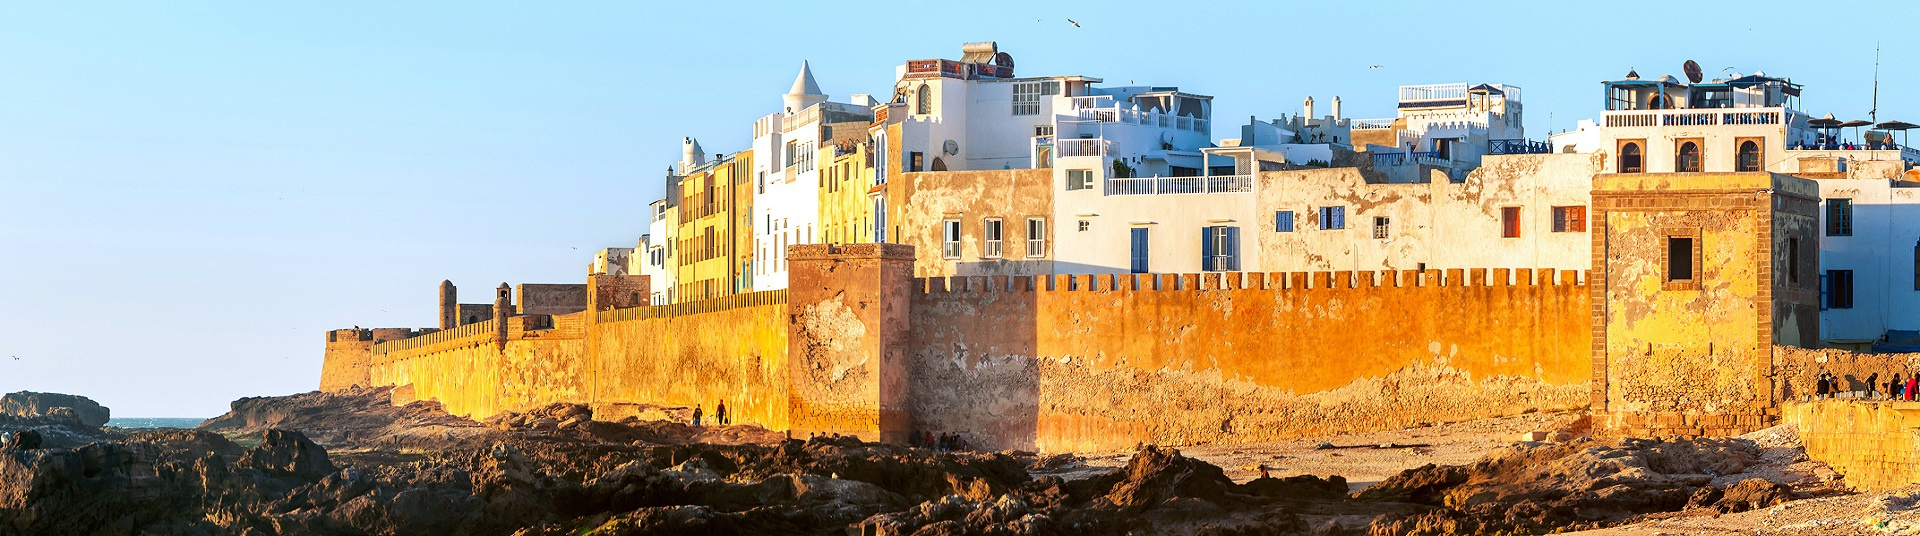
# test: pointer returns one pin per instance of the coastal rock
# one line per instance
(32, 404)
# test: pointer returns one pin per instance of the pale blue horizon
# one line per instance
(191, 194)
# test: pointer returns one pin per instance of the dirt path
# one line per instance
(1454, 443)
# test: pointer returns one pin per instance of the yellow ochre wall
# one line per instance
(738, 355)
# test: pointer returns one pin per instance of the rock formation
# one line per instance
(31, 404)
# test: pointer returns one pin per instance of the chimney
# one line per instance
(1307, 116)
(1336, 107)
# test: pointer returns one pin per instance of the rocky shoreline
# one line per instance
(352, 463)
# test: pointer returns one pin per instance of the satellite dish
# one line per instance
(1693, 71)
(951, 147)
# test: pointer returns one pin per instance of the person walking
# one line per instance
(1873, 386)
(1820, 386)
(696, 415)
(1913, 382)
(720, 413)
(1895, 387)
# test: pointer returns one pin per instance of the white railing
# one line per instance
(1136, 117)
(1692, 117)
(1433, 92)
(1215, 184)
(1365, 124)
(1094, 101)
(1082, 147)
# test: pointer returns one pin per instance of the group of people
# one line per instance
(720, 417)
(1829, 386)
(944, 442)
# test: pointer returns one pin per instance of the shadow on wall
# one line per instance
(973, 361)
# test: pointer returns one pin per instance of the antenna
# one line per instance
(1693, 72)
(1874, 113)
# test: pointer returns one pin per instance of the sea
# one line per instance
(154, 422)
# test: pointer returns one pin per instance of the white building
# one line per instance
(789, 147)
(1445, 127)
(1745, 123)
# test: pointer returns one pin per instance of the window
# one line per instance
(1679, 258)
(1084, 225)
(880, 220)
(1839, 289)
(1036, 237)
(1630, 158)
(950, 239)
(1569, 219)
(1509, 222)
(1333, 218)
(792, 153)
(1283, 221)
(1380, 228)
(914, 161)
(990, 238)
(1220, 248)
(1916, 266)
(880, 158)
(1079, 179)
(1839, 217)
(923, 100)
(1749, 158)
(1026, 98)
(1793, 262)
(1688, 158)
(1139, 257)
(762, 182)
(1043, 130)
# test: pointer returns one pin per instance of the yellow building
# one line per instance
(847, 193)
(714, 205)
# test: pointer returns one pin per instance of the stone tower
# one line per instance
(449, 305)
(502, 309)
(849, 307)
(1697, 278)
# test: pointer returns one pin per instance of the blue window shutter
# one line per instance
(1339, 217)
(1206, 248)
(1233, 248)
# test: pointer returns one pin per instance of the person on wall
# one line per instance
(1820, 386)
(1895, 387)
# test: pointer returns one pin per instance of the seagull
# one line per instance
(1075, 24)
(1373, 66)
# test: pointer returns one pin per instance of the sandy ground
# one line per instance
(1891, 513)
(1453, 443)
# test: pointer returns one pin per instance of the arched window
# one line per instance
(633, 299)
(1630, 158)
(471, 319)
(938, 164)
(1656, 101)
(1749, 157)
(923, 100)
(1688, 160)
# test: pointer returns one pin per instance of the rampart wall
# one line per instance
(732, 349)
(1101, 362)
(1055, 363)
(1871, 443)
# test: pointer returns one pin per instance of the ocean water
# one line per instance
(154, 422)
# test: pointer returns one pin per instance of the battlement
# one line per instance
(1215, 281)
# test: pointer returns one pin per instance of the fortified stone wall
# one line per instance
(1102, 362)
(732, 349)
(1871, 443)
(466, 371)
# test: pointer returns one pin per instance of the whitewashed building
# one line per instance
(790, 146)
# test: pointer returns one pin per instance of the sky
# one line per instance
(192, 193)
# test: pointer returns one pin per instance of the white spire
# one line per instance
(690, 154)
(805, 91)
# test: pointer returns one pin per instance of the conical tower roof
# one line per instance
(805, 92)
(804, 84)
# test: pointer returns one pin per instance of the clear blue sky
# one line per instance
(191, 193)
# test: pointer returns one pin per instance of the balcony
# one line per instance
(1518, 146)
(1430, 158)
(1214, 184)
(1693, 117)
(1373, 124)
(1082, 147)
(1127, 116)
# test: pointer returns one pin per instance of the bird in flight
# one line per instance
(1075, 24)
(1373, 66)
